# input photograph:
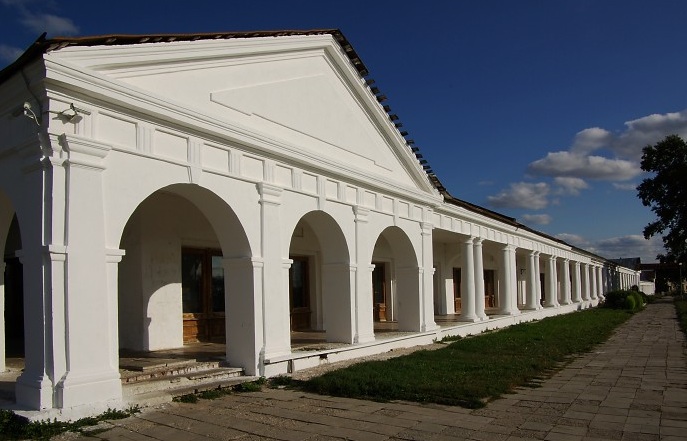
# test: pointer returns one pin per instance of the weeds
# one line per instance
(13, 426)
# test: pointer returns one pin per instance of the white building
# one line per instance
(162, 189)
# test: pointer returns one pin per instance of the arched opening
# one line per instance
(185, 276)
(14, 293)
(320, 296)
(395, 282)
(12, 342)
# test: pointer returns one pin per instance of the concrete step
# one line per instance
(192, 378)
(136, 373)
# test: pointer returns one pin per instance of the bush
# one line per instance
(629, 300)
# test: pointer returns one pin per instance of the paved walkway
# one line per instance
(633, 387)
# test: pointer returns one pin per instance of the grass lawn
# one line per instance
(470, 371)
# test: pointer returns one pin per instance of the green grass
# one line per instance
(13, 426)
(471, 371)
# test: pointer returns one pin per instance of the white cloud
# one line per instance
(630, 246)
(573, 239)
(8, 53)
(625, 186)
(648, 130)
(588, 140)
(39, 22)
(539, 219)
(623, 149)
(619, 247)
(569, 164)
(51, 24)
(532, 196)
(571, 186)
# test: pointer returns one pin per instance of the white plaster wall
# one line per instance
(150, 275)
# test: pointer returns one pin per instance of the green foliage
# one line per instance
(213, 394)
(470, 371)
(253, 386)
(281, 380)
(629, 300)
(188, 398)
(666, 193)
(13, 426)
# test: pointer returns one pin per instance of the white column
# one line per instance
(479, 279)
(537, 271)
(592, 282)
(275, 281)
(427, 294)
(533, 285)
(244, 324)
(576, 283)
(551, 283)
(467, 309)
(363, 307)
(508, 302)
(565, 283)
(599, 282)
(585, 282)
(112, 258)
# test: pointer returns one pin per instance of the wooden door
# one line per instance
(299, 293)
(456, 289)
(202, 288)
(379, 291)
(489, 289)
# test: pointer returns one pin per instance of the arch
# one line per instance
(11, 283)
(319, 245)
(394, 252)
(178, 225)
(230, 231)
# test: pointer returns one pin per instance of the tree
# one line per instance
(666, 193)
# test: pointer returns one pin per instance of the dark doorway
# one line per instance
(456, 289)
(379, 291)
(202, 288)
(299, 293)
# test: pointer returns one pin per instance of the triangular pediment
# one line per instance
(300, 96)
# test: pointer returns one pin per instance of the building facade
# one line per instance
(237, 187)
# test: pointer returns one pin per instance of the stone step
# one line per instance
(133, 373)
(188, 379)
(156, 397)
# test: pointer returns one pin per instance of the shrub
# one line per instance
(629, 300)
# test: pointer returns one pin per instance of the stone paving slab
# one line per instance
(631, 388)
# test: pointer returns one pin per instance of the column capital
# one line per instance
(426, 228)
(114, 255)
(478, 241)
(85, 152)
(269, 193)
(361, 213)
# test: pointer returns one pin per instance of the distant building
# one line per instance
(163, 189)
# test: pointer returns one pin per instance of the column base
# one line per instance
(430, 327)
(509, 312)
(364, 338)
(474, 319)
(77, 389)
(34, 393)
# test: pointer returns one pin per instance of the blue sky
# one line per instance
(535, 109)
